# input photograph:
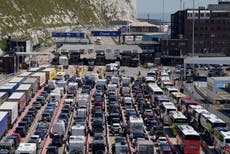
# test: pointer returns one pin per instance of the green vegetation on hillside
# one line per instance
(13, 13)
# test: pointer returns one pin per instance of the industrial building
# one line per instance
(211, 28)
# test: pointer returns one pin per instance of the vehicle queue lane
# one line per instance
(48, 139)
(23, 114)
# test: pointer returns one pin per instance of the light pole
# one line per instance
(193, 24)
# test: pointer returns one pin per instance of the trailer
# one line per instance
(50, 73)
(17, 80)
(41, 76)
(3, 97)
(3, 123)
(25, 74)
(63, 60)
(145, 147)
(9, 89)
(19, 97)
(136, 125)
(59, 128)
(27, 88)
(12, 109)
(28, 148)
(34, 83)
(121, 147)
(77, 144)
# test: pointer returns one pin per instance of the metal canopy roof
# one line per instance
(31, 53)
(207, 60)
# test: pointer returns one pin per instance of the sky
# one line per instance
(171, 6)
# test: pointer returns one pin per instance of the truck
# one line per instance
(3, 123)
(77, 144)
(3, 97)
(19, 97)
(121, 147)
(59, 128)
(12, 109)
(28, 89)
(72, 88)
(63, 60)
(115, 80)
(145, 147)
(28, 148)
(17, 80)
(52, 84)
(9, 89)
(34, 83)
(136, 125)
(78, 130)
(50, 73)
(41, 76)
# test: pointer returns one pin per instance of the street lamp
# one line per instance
(193, 24)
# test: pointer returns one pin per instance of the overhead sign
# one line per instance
(68, 34)
(105, 33)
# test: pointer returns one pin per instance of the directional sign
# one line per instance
(105, 33)
(68, 34)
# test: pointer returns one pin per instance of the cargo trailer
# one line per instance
(9, 89)
(25, 74)
(41, 76)
(78, 130)
(12, 109)
(50, 73)
(34, 83)
(3, 97)
(19, 97)
(28, 89)
(145, 147)
(17, 80)
(77, 144)
(3, 123)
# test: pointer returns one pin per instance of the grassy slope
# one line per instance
(39, 8)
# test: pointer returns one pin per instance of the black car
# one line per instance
(57, 140)
(51, 149)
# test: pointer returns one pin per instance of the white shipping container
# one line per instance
(41, 77)
(12, 109)
(25, 74)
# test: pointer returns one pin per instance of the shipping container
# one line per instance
(33, 82)
(19, 97)
(14, 85)
(34, 69)
(41, 76)
(50, 73)
(25, 74)
(3, 123)
(12, 109)
(9, 89)
(3, 97)
(17, 80)
(28, 89)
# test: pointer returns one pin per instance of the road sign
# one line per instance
(68, 34)
(105, 33)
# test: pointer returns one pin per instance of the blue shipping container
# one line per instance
(3, 123)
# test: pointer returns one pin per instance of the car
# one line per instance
(120, 139)
(41, 99)
(51, 149)
(165, 148)
(37, 105)
(46, 116)
(57, 140)
(161, 140)
(115, 128)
